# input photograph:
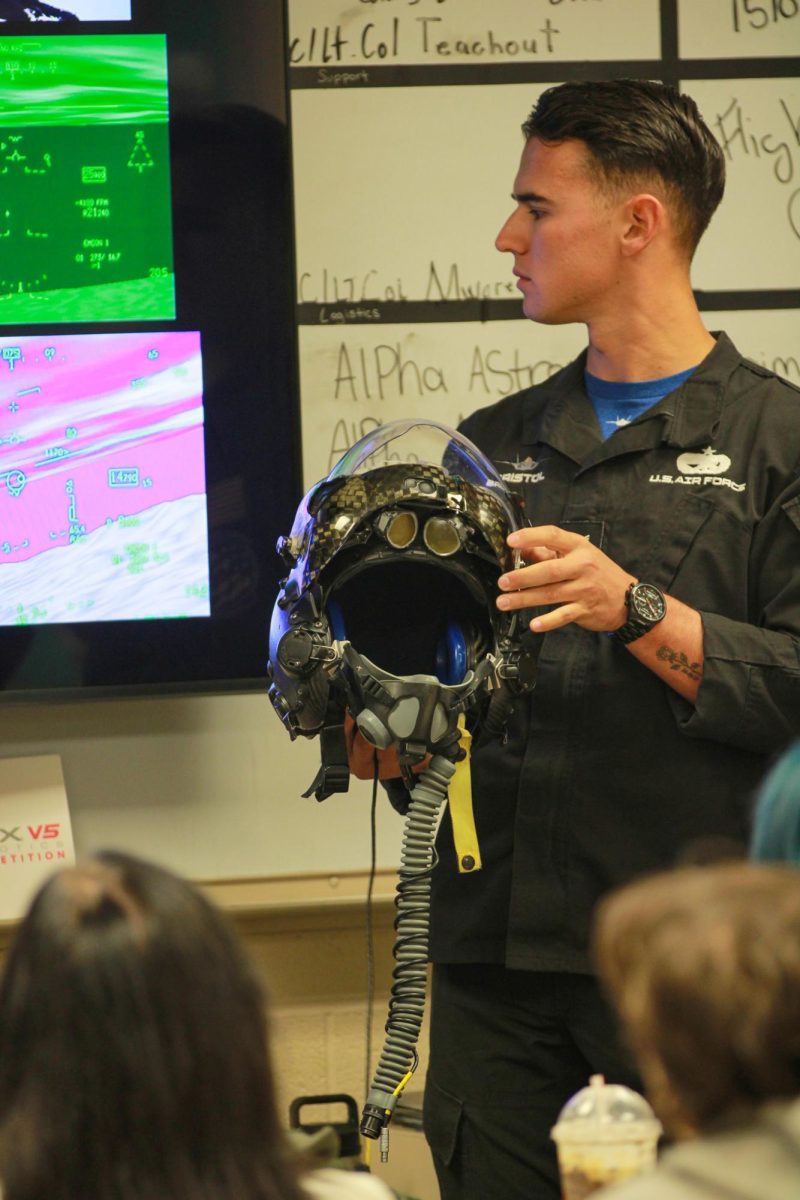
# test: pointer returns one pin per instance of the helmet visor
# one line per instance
(418, 441)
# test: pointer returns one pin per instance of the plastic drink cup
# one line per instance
(604, 1134)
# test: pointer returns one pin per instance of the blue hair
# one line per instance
(776, 824)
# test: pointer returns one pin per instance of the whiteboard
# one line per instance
(355, 378)
(403, 196)
(753, 240)
(347, 40)
(738, 28)
(394, 203)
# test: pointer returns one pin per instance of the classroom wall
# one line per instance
(210, 786)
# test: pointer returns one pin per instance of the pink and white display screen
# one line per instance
(102, 478)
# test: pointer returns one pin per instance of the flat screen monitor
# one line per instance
(149, 440)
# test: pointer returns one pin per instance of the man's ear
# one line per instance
(644, 217)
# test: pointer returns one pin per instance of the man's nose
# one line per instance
(510, 238)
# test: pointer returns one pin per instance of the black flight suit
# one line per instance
(607, 773)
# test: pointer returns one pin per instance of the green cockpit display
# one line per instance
(85, 213)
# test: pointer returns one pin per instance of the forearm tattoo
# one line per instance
(679, 662)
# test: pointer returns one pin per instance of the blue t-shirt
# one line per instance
(617, 404)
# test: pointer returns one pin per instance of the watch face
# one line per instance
(648, 603)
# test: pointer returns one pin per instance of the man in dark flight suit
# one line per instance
(661, 473)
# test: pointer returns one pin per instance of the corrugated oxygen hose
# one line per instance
(407, 1002)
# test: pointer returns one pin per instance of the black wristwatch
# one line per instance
(646, 607)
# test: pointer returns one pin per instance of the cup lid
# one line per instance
(605, 1111)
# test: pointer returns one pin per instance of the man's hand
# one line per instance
(568, 571)
(588, 589)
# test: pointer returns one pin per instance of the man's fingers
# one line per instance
(557, 618)
(549, 537)
(537, 597)
(537, 553)
(540, 574)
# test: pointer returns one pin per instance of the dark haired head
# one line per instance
(703, 965)
(636, 130)
(133, 1055)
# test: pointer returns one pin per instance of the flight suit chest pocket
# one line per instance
(654, 541)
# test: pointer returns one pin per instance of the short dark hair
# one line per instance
(634, 128)
(133, 1054)
(703, 966)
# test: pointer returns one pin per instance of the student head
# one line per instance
(636, 134)
(703, 967)
(133, 1060)
(776, 825)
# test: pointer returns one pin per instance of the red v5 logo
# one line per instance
(51, 830)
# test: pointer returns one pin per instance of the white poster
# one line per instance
(35, 829)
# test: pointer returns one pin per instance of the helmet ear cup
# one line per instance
(452, 660)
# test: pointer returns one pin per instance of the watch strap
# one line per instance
(631, 630)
